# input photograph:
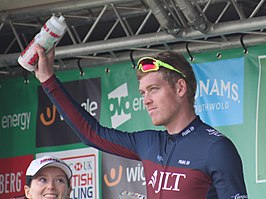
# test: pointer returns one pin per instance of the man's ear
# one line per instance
(181, 87)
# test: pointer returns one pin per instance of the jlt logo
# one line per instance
(119, 105)
(160, 181)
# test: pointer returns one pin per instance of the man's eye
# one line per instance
(153, 89)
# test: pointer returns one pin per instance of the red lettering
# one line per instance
(54, 35)
(46, 28)
(75, 180)
(34, 59)
(24, 51)
(84, 179)
(89, 179)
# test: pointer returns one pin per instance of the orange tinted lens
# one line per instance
(148, 67)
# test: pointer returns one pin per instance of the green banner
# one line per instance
(260, 123)
(231, 96)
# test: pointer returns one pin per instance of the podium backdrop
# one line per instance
(231, 96)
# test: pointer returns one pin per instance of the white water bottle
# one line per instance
(51, 32)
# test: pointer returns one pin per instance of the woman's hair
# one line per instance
(178, 61)
(28, 180)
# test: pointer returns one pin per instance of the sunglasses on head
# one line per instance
(148, 64)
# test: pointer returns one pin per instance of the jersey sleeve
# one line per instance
(226, 171)
(87, 127)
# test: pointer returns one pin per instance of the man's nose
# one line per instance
(147, 99)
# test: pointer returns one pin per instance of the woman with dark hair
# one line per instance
(48, 177)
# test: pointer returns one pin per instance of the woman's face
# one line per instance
(49, 183)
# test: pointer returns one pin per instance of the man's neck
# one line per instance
(180, 123)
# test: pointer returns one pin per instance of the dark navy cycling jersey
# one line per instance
(197, 163)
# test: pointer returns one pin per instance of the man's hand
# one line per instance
(44, 69)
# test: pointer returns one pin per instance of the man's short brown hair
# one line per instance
(178, 61)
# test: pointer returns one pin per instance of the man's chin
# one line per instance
(156, 123)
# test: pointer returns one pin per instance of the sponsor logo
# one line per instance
(84, 178)
(51, 126)
(121, 106)
(16, 120)
(43, 161)
(159, 158)
(217, 87)
(48, 118)
(10, 182)
(160, 181)
(118, 98)
(214, 132)
(219, 95)
(12, 176)
(78, 166)
(238, 196)
(132, 174)
(184, 162)
(220, 89)
(188, 131)
(115, 177)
